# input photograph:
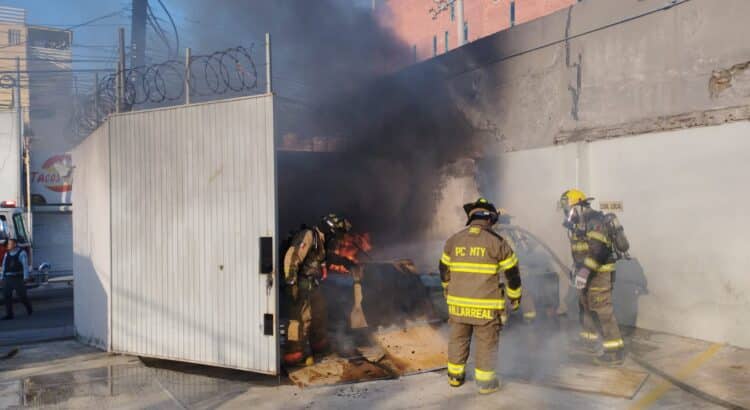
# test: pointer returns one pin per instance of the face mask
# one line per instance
(571, 215)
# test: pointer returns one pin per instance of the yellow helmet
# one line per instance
(572, 197)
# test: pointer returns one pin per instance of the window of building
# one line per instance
(446, 41)
(434, 46)
(50, 38)
(512, 13)
(14, 37)
(20, 228)
(453, 11)
(466, 30)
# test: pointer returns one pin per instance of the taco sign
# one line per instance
(56, 174)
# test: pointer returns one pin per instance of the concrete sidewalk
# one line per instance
(66, 374)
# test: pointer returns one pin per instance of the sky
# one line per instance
(95, 45)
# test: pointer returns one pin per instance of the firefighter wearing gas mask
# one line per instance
(596, 242)
(304, 268)
(475, 292)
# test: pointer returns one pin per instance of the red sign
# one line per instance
(56, 174)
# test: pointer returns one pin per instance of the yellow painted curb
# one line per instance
(689, 368)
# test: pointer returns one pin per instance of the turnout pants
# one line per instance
(15, 283)
(598, 318)
(487, 338)
(308, 321)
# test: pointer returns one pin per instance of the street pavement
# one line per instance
(52, 317)
(67, 374)
(52, 370)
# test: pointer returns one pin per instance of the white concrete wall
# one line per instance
(91, 239)
(685, 213)
(639, 71)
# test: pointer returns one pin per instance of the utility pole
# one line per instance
(25, 148)
(138, 34)
(119, 106)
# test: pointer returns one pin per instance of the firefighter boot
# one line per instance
(456, 380)
(486, 381)
(613, 358)
(488, 387)
(456, 375)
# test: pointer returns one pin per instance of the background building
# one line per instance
(413, 23)
(44, 57)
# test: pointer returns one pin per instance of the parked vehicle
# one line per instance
(12, 223)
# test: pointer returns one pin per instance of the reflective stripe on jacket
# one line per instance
(474, 257)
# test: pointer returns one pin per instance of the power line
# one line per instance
(85, 23)
(174, 26)
(154, 23)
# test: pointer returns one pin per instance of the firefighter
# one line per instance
(475, 293)
(15, 274)
(304, 267)
(594, 269)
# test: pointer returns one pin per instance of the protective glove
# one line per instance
(445, 289)
(515, 304)
(582, 277)
(292, 291)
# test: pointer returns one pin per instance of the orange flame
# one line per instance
(349, 247)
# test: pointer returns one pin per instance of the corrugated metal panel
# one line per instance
(91, 239)
(193, 190)
(53, 240)
(12, 15)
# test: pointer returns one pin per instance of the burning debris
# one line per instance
(349, 247)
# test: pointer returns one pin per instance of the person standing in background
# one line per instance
(15, 273)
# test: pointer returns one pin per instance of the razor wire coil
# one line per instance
(229, 71)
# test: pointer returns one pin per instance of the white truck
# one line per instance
(13, 218)
(12, 224)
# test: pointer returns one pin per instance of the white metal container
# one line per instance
(191, 192)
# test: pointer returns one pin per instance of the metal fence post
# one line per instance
(269, 88)
(121, 72)
(188, 73)
(96, 98)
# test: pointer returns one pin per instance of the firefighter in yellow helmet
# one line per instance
(475, 293)
(591, 240)
(304, 268)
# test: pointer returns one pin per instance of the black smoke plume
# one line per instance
(335, 75)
